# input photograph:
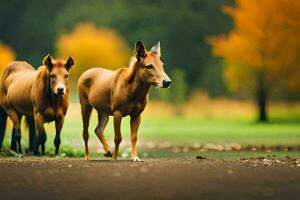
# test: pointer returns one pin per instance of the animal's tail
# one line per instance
(3, 119)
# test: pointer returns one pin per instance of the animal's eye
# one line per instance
(52, 75)
(66, 76)
(149, 66)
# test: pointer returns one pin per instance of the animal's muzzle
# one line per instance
(60, 90)
(166, 83)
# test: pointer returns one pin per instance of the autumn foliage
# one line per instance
(6, 56)
(261, 53)
(93, 47)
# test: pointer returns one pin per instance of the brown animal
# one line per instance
(40, 95)
(120, 93)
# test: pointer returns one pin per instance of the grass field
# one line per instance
(159, 130)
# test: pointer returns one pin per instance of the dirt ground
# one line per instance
(47, 178)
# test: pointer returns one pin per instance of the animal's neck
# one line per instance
(50, 97)
(139, 89)
(54, 99)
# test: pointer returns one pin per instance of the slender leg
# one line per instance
(40, 138)
(86, 110)
(3, 120)
(118, 136)
(16, 133)
(134, 126)
(102, 122)
(58, 126)
(13, 142)
(32, 134)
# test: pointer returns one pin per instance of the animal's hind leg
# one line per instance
(102, 122)
(3, 120)
(16, 133)
(13, 142)
(32, 134)
(86, 110)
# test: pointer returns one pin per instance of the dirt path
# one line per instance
(46, 178)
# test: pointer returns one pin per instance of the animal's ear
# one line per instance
(47, 61)
(70, 62)
(139, 51)
(156, 49)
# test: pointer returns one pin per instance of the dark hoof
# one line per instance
(14, 148)
(28, 152)
(13, 153)
(20, 151)
(108, 154)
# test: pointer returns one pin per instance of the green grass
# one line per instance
(230, 155)
(178, 131)
(187, 131)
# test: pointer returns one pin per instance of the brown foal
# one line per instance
(40, 95)
(120, 93)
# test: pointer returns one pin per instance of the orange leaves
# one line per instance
(93, 47)
(236, 49)
(6, 56)
(265, 40)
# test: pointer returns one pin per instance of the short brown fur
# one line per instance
(120, 93)
(40, 95)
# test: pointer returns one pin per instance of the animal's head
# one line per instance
(58, 73)
(151, 68)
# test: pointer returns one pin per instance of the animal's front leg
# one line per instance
(32, 133)
(58, 126)
(40, 138)
(118, 136)
(134, 126)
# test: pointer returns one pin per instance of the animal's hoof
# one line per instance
(114, 158)
(36, 153)
(13, 153)
(57, 157)
(87, 157)
(136, 159)
(108, 154)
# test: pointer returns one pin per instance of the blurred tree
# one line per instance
(181, 26)
(28, 26)
(6, 56)
(93, 47)
(261, 53)
(31, 27)
(178, 90)
(177, 93)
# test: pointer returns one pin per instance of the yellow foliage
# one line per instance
(265, 41)
(6, 56)
(93, 47)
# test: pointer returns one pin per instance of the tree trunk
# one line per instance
(262, 100)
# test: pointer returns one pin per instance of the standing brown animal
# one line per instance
(120, 93)
(41, 95)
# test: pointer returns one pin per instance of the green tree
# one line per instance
(90, 47)
(28, 27)
(181, 26)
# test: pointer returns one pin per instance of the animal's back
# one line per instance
(96, 84)
(16, 71)
(16, 84)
